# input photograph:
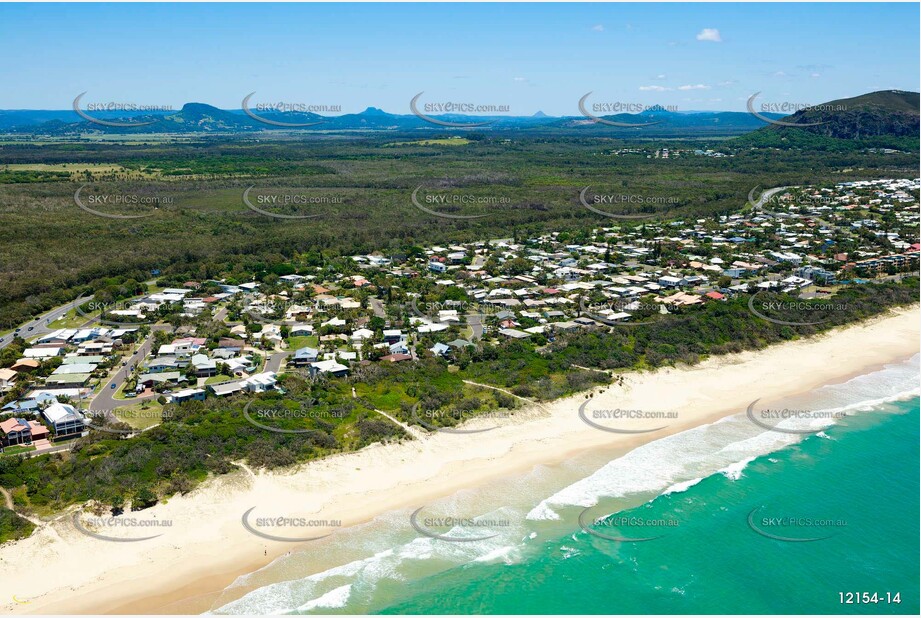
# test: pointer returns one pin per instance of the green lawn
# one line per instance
(296, 343)
(141, 415)
(218, 379)
(19, 448)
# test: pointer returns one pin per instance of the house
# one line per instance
(393, 336)
(300, 330)
(230, 343)
(305, 356)
(399, 348)
(67, 380)
(151, 380)
(259, 382)
(24, 365)
(188, 394)
(20, 431)
(437, 267)
(226, 388)
(514, 333)
(714, 295)
(164, 363)
(330, 367)
(15, 431)
(7, 379)
(64, 419)
(204, 367)
(29, 405)
(671, 282)
(440, 349)
(361, 334)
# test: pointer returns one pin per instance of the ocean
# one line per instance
(724, 518)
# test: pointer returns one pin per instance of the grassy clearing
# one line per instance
(296, 343)
(141, 415)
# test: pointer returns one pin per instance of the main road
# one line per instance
(38, 326)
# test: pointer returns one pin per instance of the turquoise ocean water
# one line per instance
(844, 502)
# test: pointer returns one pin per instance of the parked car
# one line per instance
(113, 385)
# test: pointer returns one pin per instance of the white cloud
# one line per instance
(710, 34)
(660, 76)
(728, 82)
(654, 88)
(815, 75)
(694, 87)
(519, 79)
(598, 28)
(779, 74)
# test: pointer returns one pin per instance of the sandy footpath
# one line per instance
(60, 570)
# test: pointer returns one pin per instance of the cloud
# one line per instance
(694, 87)
(598, 28)
(660, 76)
(778, 74)
(654, 88)
(710, 34)
(519, 79)
(815, 75)
(728, 82)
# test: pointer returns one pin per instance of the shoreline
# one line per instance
(193, 562)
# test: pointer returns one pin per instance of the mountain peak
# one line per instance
(374, 111)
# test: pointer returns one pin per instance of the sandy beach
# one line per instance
(60, 570)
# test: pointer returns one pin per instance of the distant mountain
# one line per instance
(892, 113)
(202, 118)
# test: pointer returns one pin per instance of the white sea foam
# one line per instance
(678, 488)
(337, 597)
(727, 446)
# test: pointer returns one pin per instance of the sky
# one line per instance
(528, 57)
